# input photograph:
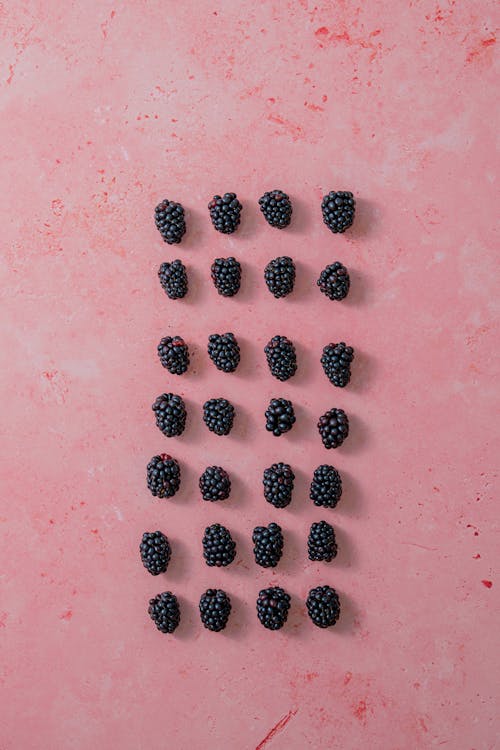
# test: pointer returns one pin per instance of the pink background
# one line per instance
(107, 109)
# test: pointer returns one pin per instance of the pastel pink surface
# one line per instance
(107, 109)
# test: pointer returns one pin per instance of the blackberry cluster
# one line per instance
(218, 415)
(336, 361)
(163, 476)
(215, 484)
(323, 606)
(174, 354)
(155, 552)
(334, 281)
(224, 351)
(278, 484)
(281, 357)
(338, 210)
(170, 414)
(173, 278)
(226, 275)
(321, 544)
(169, 220)
(268, 545)
(225, 212)
(326, 486)
(333, 427)
(219, 548)
(277, 208)
(164, 611)
(279, 275)
(273, 605)
(215, 608)
(280, 416)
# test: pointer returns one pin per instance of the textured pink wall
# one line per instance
(109, 107)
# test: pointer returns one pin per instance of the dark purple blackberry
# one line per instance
(278, 484)
(170, 414)
(273, 605)
(226, 275)
(164, 611)
(281, 357)
(215, 608)
(323, 606)
(279, 275)
(219, 548)
(336, 360)
(321, 544)
(225, 212)
(268, 545)
(333, 427)
(163, 476)
(174, 354)
(155, 552)
(326, 486)
(169, 220)
(280, 416)
(218, 415)
(215, 484)
(334, 281)
(338, 210)
(224, 351)
(277, 208)
(173, 278)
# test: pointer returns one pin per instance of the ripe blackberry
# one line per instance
(272, 607)
(278, 484)
(218, 415)
(323, 606)
(280, 416)
(326, 486)
(224, 351)
(336, 361)
(281, 357)
(215, 484)
(163, 476)
(268, 545)
(215, 608)
(321, 544)
(334, 281)
(333, 427)
(219, 548)
(169, 220)
(225, 212)
(279, 275)
(170, 414)
(164, 611)
(226, 275)
(277, 208)
(155, 552)
(338, 210)
(174, 354)
(173, 278)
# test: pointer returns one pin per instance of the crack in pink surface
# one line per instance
(277, 728)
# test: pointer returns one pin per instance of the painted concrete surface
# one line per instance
(110, 107)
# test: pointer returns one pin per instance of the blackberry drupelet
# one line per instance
(334, 281)
(226, 275)
(277, 208)
(173, 278)
(169, 220)
(333, 427)
(268, 545)
(338, 210)
(336, 360)
(321, 544)
(163, 476)
(323, 606)
(170, 412)
(281, 357)
(218, 415)
(164, 611)
(273, 605)
(279, 275)
(224, 351)
(174, 354)
(215, 484)
(215, 608)
(219, 548)
(278, 484)
(326, 486)
(155, 552)
(225, 212)
(280, 416)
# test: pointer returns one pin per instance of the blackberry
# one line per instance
(224, 351)
(173, 278)
(169, 220)
(163, 476)
(155, 552)
(338, 210)
(226, 275)
(225, 212)
(323, 606)
(164, 611)
(277, 208)
(280, 416)
(218, 415)
(278, 484)
(215, 608)
(272, 607)
(170, 414)
(174, 354)
(326, 486)
(281, 357)
(333, 427)
(219, 548)
(321, 544)
(334, 281)
(268, 545)
(336, 361)
(215, 484)
(279, 275)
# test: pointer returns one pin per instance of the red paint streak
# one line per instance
(294, 130)
(324, 98)
(347, 678)
(476, 557)
(421, 546)
(360, 711)
(11, 75)
(477, 50)
(314, 107)
(321, 32)
(276, 729)
(423, 725)
(488, 584)
(66, 615)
